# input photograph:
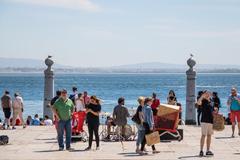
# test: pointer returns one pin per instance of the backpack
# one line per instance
(4, 140)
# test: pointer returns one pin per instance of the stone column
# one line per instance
(190, 93)
(48, 87)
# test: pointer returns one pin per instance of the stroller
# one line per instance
(77, 126)
(166, 121)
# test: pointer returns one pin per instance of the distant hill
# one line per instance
(24, 63)
(33, 65)
(159, 65)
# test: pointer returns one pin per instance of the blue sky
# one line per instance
(92, 33)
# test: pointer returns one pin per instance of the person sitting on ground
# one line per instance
(172, 100)
(234, 106)
(120, 115)
(47, 121)
(155, 104)
(29, 120)
(228, 120)
(18, 109)
(206, 122)
(109, 123)
(36, 121)
(79, 103)
(7, 107)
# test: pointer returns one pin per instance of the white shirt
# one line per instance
(79, 105)
(18, 102)
(48, 122)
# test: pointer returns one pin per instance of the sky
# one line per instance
(99, 33)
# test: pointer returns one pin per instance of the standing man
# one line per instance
(234, 106)
(155, 104)
(86, 98)
(206, 122)
(6, 106)
(120, 114)
(63, 109)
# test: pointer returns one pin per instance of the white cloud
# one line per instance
(86, 5)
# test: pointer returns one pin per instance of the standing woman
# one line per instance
(141, 132)
(148, 123)
(172, 99)
(93, 110)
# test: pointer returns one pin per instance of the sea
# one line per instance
(109, 87)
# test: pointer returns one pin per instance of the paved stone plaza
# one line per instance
(36, 143)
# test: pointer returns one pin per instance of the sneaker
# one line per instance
(61, 149)
(209, 153)
(138, 150)
(13, 128)
(88, 149)
(24, 126)
(141, 153)
(232, 135)
(155, 152)
(201, 154)
(70, 149)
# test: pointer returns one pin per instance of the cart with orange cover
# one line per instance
(166, 121)
(78, 119)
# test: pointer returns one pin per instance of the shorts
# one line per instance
(235, 115)
(207, 129)
(7, 112)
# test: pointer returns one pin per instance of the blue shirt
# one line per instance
(148, 116)
(234, 104)
(35, 122)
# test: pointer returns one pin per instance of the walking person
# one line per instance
(63, 109)
(6, 106)
(234, 106)
(120, 115)
(206, 122)
(155, 103)
(148, 124)
(141, 131)
(93, 111)
(18, 109)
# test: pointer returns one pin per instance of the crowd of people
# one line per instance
(63, 106)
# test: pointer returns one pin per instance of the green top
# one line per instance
(64, 108)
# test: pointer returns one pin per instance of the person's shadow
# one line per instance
(189, 157)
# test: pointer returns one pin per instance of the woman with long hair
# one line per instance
(93, 110)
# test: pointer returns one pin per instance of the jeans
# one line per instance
(64, 126)
(93, 128)
(141, 134)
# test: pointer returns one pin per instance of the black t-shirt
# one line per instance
(207, 110)
(91, 118)
(54, 100)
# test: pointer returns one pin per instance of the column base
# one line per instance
(190, 122)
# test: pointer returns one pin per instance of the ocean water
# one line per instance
(109, 87)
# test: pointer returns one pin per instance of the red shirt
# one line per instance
(155, 103)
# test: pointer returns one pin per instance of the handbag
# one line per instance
(152, 138)
(136, 119)
(218, 122)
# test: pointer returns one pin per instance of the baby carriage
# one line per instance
(77, 126)
(166, 121)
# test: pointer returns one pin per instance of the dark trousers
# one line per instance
(199, 116)
(93, 128)
(147, 131)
